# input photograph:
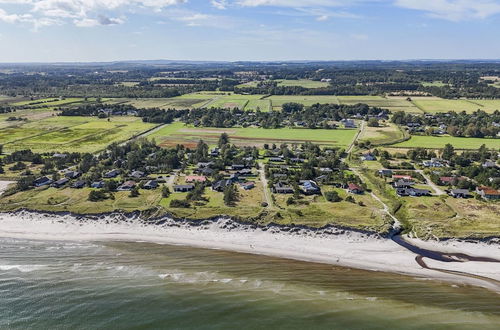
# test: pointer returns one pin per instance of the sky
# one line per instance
(248, 30)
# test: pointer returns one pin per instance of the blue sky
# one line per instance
(106, 30)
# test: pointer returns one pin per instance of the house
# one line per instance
(402, 184)
(412, 192)
(368, 157)
(348, 123)
(432, 163)
(97, 184)
(221, 185)
(72, 174)
(237, 167)
(245, 172)
(248, 185)
(450, 180)
(184, 187)
(489, 164)
(297, 160)
(137, 174)
(385, 172)
(322, 178)
(488, 193)
(57, 155)
(61, 182)
(205, 171)
(282, 188)
(460, 193)
(276, 159)
(215, 152)
(151, 184)
(402, 177)
(354, 188)
(325, 170)
(78, 184)
(204, 164)
(309, 187)
(128, 185)
(195, 178)
(111, 174)
(43, 181)
(279, 175)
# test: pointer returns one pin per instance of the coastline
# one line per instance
(335, 246)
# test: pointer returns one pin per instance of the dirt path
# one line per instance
(265, 185)
(356, 137)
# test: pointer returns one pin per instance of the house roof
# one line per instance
(353, 186)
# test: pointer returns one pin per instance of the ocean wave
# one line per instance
(21, 268)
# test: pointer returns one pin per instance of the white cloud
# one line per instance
(219, 4)
(82, 13)
(454, 10)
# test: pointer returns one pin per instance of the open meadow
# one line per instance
(436, 104)
(306, 83)
(179, 133)
(67, 134)
(438, 142)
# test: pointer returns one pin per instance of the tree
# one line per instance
(230, 195)
(332, 196)
(97, 195)
(1, 149)
(223, 140)
(134, 192)
(448, 152)
(165, 192)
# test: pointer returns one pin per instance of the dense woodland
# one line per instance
(168, 79)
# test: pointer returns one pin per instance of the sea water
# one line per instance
(119, 285)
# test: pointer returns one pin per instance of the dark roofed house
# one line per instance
(43, 181)
(489, 164)
(112, 174)
(183, 187)
(72, 174)
(97, 184)
(403, 184)
(137, 174)
(282, 188)
(354, 188)
(309, 187)
(128, 185)
(237, 167)
(460, 193)
(412, 192)
(61, 182)
(214, 152)
(151, 184)
(245, 172)
(221, 185)
(368, 157)
(385, 172)
(276, 159)
(78, 184)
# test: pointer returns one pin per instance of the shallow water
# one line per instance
(78, 285)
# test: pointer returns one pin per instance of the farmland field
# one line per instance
(307, 100)
(382, 135)
(435, 104)
(391, 103)
(50, 102)
(66, 134)
(438, 142)
(179, 133)
(306, 83)
(239, 101)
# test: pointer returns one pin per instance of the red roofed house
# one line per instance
(354, 188)
(195, 178)
(488, 193)
(403, 177)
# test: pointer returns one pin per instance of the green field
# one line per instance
(50, 102)
(435, 104)
(391, 103)
(306, 83)
(242, 102)
(66, 134)
(438, 142)
(179, 133)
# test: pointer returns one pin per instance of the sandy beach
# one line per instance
(331, 246)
